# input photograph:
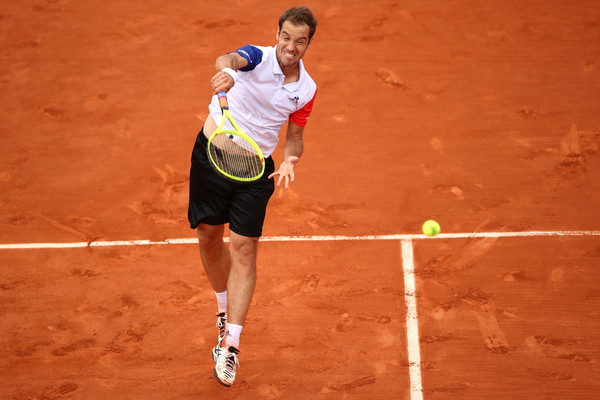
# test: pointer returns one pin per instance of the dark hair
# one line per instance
(299, 16)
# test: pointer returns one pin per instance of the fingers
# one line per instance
(273, 175)
(282, 177)
(288, 178)
(221, 82)
(286, 174)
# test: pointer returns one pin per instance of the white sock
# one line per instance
(222, 301)
(233, 335)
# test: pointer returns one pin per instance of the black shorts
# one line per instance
(215, 200)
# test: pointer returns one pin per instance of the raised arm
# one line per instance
(226, 66)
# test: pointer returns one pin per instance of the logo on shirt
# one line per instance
(295, 99)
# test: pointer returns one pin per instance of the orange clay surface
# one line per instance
(482, 115)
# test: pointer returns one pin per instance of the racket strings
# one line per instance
(234, 159)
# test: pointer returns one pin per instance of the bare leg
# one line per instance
(214, 255)
(242, 277)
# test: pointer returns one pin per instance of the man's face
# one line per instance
(292, 43)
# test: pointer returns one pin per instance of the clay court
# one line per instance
(480, 115)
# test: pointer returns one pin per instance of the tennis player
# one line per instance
(266, 87)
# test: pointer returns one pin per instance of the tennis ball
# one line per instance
(431, 228)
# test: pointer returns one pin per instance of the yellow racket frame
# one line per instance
(237, 132)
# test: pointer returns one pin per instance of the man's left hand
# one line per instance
(286, 171)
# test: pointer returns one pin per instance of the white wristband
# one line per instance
(231, 73)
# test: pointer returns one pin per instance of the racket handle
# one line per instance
(223, 100)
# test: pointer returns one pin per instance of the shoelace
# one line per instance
(230, 361)
(221, 324)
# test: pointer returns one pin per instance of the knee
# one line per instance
(209, 238)
(244, 252)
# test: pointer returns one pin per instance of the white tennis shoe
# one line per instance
(227, 360)
(222, 325)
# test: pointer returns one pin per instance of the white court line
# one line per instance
(324, 238)
(412, 322)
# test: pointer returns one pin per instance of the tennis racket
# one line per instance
(232, 152)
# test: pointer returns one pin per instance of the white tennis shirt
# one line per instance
(259, 101)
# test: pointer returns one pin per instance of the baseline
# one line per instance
(315, 238)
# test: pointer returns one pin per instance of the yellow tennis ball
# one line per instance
(431, 228)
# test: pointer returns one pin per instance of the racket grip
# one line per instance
(223, 100)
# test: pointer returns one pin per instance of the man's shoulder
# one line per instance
(255, 55)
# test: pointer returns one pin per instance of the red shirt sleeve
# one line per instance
(300, 117)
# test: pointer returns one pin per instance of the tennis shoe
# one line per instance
(227, 361)
(222, 325)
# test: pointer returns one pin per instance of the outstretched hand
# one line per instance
(286, 171)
